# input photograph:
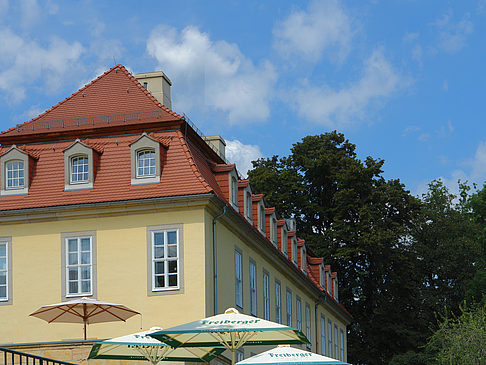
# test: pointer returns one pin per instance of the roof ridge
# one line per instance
(192, 162)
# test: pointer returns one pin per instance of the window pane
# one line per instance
(73, 274)
(3, 249)
(86, 286)
(172, 237)
(86, 272)
(85, 258)
(3, 291)
(159, 267)
(73, 287)
(73, 259)
(3, 279)
(172, 280)
(159, 238)
(173, 266)
(160, 281)
(172, 251)
(72, 245)
(85, 244)
(3, 264)
(158, 252)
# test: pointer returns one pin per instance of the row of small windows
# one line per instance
(326, 348)
(79, 166)
(80, 253)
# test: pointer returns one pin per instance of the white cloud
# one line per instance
(330, 107)
(453, 35)
(307, 34)
(242, 155)
(31, 13)
(23, 62)
(212, 74)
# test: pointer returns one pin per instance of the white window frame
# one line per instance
(5, 271)
(18, 178)
(165, 260)
(329, 338)
(336, 342)
(234, 191)
(249, 206)
(341, 344)
(303, 259)
(144, 143)
(266, 295)
(285, 241)
(323, 335)
(238, 278)
(278, 302)
(261, 218)
(253, 289)
(139, 154)
(74, 158)
(14, 155)
(288, 303)
(79, 266)
(308, 332)
(298, 313)
(294, 250)
(273, 230)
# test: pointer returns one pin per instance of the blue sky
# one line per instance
(403, 80)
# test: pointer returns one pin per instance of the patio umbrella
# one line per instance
(231, 330)
(286, 355)
(84, 310)
(140, 346)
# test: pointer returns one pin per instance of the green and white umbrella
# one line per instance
(140, 346)
(286, 355)
(231, 330)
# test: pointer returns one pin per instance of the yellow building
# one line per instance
(111, 195)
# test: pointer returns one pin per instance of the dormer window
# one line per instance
(79, 169)
(294, 250)
(234, 192)
(249, 208)
(79, 161)
(145, 161)
(14, 171)
(285, 241)
(303, 260)
(274, 231)
(261, 219)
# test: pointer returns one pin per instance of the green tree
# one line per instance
(360, 223)
(461, 339)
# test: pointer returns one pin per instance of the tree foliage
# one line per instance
(400, 259)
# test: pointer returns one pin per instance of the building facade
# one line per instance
(111, 195)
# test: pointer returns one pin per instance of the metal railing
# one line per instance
(12, 357)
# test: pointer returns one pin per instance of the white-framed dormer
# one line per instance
(271, 225)
(145, 160)
(259, 213)
(303, 258)
(15, 167)
(327, 269)
(283, 236)
(245, 202)
(233, 189)
(293, 246)
(322, 276)
(79, 163)
(335, 286)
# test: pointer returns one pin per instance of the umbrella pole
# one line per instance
(85, 319)
(233, 356)
(84, 322)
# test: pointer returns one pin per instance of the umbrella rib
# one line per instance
(69, 309)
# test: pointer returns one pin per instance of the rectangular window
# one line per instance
(294, 251)
(289, 307)
(79, 169)
(266, 296)
(79, 266)
(234, 192)
(165, 259)
(278, 302)
(303, 260)
(4, 279)
(240, 355)
(253, 289)
(262, 219)
(145, 163)
(249, 207)
(308, 321)
(336, 340)
(323, 335)
(329, 338)
(285, 242)
(274, 231)
(15, 174)
(238, 279)
(298, 309)
(341, 344)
